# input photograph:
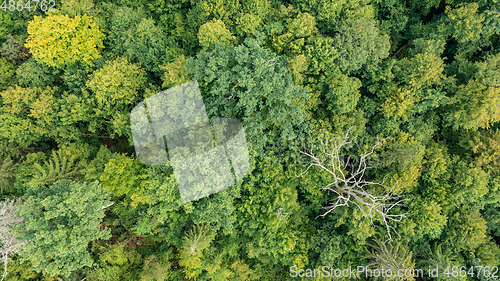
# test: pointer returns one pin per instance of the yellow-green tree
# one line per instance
(60, 40)
(213, 32)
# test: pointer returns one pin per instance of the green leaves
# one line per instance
(59, 40)
(125, 176)
(359, 42)
(251, 84)
(61, 166)
(213, 32)
(60, 221)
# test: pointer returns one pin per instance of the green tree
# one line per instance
(475, 104)
(29, 115)
(251, 84)
(60, 222)
(59, 40)
(7, 71)
(116, 87)
(125, 176)
(32, 74)
(140, 39)
(213, 32)
(358, 42)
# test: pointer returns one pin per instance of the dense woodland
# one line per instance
(372, 130)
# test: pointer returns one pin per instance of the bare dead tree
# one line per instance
(8, 244)
(350, 185)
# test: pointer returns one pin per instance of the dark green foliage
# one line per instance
(34, 74)
(13, 49)
(251, 84)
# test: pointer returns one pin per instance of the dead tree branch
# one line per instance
(9, 245)
(351, 186)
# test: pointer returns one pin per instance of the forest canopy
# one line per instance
(372, 130)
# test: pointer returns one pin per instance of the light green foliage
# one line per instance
(59, 40)
(155, 269)
(465, 21)
(343, 92)
(290, 30)
(326, 12)
(6, 73)
(213, 32)
(77, 7)
(174, 73)
(428, 219)
(60, 221)
(116, 262)
(476, 104)
(247, 24)
(166, 215)
(28, 115)
(7, 167)
(297, 66)
(329, 245)
(6, 24)
(198, 239)
(139, 39)
(195, 242)
(260, 8)
(117, 88)
(423, 73)
(60, 166)
(440, 258)
(466, 230)
(272, 219)
(116, 85)
(125, 176)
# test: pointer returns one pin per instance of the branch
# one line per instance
(350, 185)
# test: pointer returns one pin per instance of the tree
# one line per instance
(358, 42)
(76, 7)
(465, 21)
(29, 115)
(116, 87)
(350, 184)
(393, 255)
(270, 218)
(133, 35)
(13, 49)
(251, 84)
(60, 221)
(213, 32)
(32, 74)
(6, 24)
(59, 40)
(61, 166)
(174, 73)
(195, 242)
(475, 104)
(466, 230)
(6, 74)
(9, 244)
(125, 176)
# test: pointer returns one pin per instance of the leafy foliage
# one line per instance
(68, 40)
(60, 222)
